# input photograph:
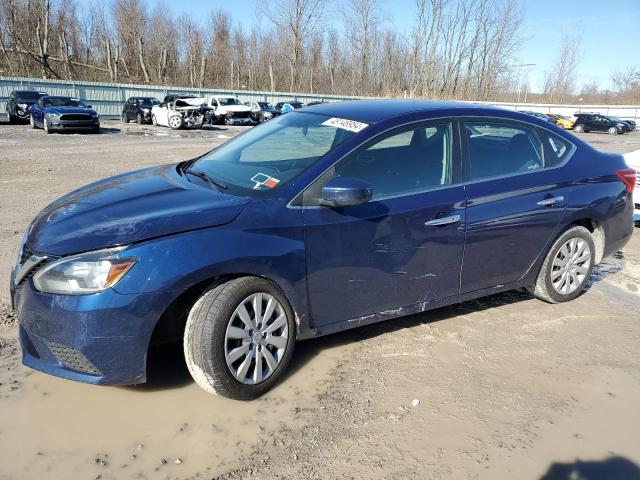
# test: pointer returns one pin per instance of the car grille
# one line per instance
(75, 116)
(73, 359)
(242, 115)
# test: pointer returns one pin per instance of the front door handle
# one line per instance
(547, 202)
(437, 222)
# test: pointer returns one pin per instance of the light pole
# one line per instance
(521, 82)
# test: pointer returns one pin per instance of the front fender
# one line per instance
(177, 262)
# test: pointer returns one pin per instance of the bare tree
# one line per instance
(559, 83)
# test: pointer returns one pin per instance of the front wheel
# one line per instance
(32, 122)
(578, 128)
(124, 118)
(567, 267)
(46, 127)
(175, 122)
(139, 119)
(613, 131)
(239, 338)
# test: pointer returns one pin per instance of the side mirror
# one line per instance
(343, 191)
(88, 106)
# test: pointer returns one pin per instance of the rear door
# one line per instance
(403, 247)
(516, 199)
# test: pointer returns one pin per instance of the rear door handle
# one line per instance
(437, 222)
(547, 202)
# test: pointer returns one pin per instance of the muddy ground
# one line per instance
(503, 387)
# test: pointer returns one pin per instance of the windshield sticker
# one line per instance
(345, 124)
(262, 179)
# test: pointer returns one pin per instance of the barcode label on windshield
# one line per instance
(345, 124)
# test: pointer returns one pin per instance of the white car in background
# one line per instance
(230, 111)
(633, 161)
(178, 111)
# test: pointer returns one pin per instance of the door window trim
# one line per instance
(455, 154)
(466, 154)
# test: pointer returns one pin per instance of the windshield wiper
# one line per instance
(216, 183)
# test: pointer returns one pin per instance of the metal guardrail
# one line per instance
(107, 98)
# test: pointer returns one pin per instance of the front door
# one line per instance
(403, 247)
(517, 197)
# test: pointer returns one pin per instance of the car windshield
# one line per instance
(27, 96)
(270, 156)
(616, 119)
(266, 106)
(228, 101)
(148, 101)
(62, 102)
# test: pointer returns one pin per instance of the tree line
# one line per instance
(454, 49)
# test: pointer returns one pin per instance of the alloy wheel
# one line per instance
(570, 266)
(256, 338)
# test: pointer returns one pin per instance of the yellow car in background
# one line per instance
(562, 121)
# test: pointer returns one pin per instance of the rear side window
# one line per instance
(499, 148)
(556, 148)
(412, 161)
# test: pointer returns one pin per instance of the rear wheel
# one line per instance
(124, 118)
(567, 267)
(153, 120)
(239, 338)
(578, 128)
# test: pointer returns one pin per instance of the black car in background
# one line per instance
(631, 125)
(138, 109)
(594, 122)
(262, 111)
(295, 104)
(539, 115)
(19, 104)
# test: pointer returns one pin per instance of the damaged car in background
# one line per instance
(182, 111)
(230, 111)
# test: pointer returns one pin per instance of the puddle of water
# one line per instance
(55, 428)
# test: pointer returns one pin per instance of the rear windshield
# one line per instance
(273, 154)
(148, 101)
(28, 96)
(62, 102)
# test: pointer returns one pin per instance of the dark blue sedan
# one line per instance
(333, 217)
(63, 113)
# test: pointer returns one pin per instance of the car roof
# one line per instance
(372, 111)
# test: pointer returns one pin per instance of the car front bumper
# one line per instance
(100, 339)
(74, 124)
(240, 121)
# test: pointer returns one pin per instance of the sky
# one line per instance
(608, 30)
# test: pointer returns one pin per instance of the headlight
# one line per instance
(83, 274)
(146, 110)
(53, 116)
(23, 105)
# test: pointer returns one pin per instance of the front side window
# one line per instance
(499, 148)
(273, 154)
(411, 161)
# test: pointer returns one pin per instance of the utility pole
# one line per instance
(521, 79)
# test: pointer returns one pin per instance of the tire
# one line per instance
(139, 119)
(32, 122)
(207, 346)
(45, 125)
(578, 128)
(124, 118)
(613, 131)
(175, 122)
(552, 268)
(154, 121)
(12, 118)
(96, 129)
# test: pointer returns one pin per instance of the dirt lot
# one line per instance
(503, 387)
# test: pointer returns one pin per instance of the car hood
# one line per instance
(61, 110)
(129, 208)
(235, 108)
